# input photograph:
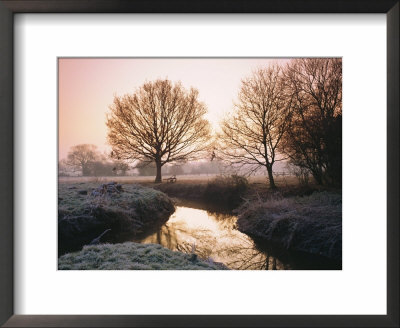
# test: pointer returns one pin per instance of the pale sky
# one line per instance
(87, 87)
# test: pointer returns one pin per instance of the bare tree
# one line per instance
(314, 139)
(80, 157)
(160, 122)
(252, 135)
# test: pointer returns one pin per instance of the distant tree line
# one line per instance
(86, 160)
(149, 169)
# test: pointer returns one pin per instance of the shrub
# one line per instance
(301, 173)
(227, 190)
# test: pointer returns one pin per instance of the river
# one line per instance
(213, 236)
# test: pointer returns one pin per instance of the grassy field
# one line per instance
(217, 190)
(184, 179)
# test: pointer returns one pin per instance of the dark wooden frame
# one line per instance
(7, 10)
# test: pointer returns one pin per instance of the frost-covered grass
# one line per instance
(83, 214)
(133, 196)
(310, 224)
(132, 256)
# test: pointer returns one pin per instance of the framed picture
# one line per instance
(185, 149)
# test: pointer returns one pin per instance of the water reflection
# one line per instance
(213, 236)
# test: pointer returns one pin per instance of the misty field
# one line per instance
(286, 180)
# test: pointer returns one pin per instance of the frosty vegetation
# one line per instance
(311, 224)
(87, 210)
(133, 256)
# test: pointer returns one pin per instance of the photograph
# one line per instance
(199, 163)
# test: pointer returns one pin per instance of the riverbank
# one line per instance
(297, 218)
(230, 192)
(133, 256)
(311, 224)
(109, 212)
(225, 191)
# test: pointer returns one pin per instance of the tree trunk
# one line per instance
(85, 170)
(158, 175)
(317, 174)
(271, 178)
